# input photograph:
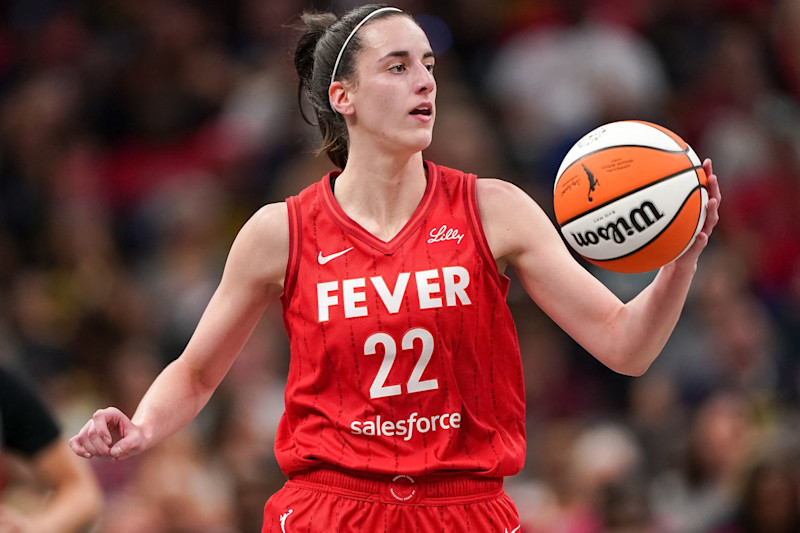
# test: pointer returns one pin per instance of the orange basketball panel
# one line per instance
(701, 177)
(606, 175)
(666, 247)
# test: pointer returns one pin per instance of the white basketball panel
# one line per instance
(629, 223)
(693, 157)
(623, 133)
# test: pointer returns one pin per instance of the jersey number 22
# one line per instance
(415, 383)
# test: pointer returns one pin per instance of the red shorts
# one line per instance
(329, 501)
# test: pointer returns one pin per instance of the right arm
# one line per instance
(253, 275)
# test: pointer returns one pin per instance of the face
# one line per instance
(392, 100)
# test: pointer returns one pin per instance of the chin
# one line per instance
(410, 142)
(420, 142)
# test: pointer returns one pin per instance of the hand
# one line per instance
(110, 434)
(712, 217)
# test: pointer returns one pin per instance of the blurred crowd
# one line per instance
(136, 137)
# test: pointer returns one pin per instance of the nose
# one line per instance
(425, 82)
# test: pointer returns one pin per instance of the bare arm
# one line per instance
(626, 337)
(253, 276)
(75, 501)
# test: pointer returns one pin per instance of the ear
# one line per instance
(339, 97)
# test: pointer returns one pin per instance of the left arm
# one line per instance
(626, 337)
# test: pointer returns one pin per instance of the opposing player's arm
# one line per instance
(76, 499)
(626, 337)
(253, 275)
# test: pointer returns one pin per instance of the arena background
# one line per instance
(137, 136)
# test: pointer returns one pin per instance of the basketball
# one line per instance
(630, 196)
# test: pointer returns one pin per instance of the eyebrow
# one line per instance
(404, 54)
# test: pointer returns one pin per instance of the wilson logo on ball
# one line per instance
(637, 221)
(630, 196)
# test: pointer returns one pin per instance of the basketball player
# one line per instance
(404, 402)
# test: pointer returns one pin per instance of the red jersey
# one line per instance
(404, 355)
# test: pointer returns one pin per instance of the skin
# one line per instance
(380, 188)
(75, 500)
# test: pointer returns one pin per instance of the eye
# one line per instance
(397, 68)
(429, 66)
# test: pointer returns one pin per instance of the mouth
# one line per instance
(424, 110)
(423, 113)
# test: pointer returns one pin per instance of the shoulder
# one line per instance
(269, 226)
(504, 201)
(492, 191)
(509, 216)
(270, 219)
(261, 249)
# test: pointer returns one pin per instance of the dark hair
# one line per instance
(314, 58)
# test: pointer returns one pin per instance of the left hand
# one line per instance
(689, 258)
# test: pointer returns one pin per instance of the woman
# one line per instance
(404, 400)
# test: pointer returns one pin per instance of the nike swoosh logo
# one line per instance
(323, 259)
(513, 530)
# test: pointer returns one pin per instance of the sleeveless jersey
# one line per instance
(404, 355)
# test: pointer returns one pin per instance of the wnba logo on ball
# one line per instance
(638, 220)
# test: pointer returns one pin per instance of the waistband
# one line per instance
(400, 488)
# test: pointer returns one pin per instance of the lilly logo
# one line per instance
(443, 233)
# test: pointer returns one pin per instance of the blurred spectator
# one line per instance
(591, 481)
(551, 84)
(42, 487)
(697, 494)
(173, 491)
(657, 415)
(769, 500)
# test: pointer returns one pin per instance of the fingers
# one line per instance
(109, 435)
(714, 198)
(712, 215)
(713, 182)
(78, 443)
(132, 444)
(708, 166)
(99, 435)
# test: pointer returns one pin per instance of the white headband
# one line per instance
(347, 41)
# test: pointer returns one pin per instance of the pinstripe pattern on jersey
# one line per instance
(453, 304)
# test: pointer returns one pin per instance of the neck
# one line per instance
(381, 193)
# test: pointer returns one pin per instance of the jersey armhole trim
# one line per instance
(295, 238)
(471, 201)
